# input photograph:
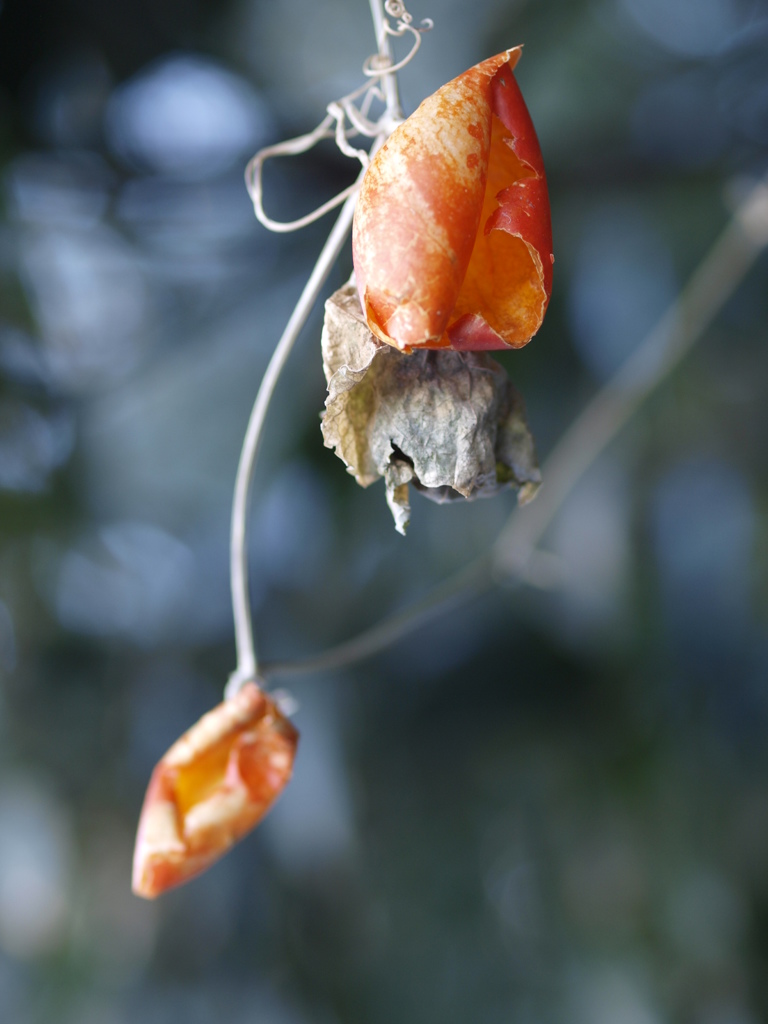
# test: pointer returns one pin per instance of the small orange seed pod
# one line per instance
(211, 788)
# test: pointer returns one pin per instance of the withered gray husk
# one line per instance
(450, 423)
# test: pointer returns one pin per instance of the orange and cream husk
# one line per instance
(452, 239)
(214, 785)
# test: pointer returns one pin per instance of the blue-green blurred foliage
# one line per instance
(542, 807)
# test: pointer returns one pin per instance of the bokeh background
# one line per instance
(543, 807)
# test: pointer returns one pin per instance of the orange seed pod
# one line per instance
(211, 788)
(452, 239)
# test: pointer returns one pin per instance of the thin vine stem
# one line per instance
(514, 556)
(247, 665)
(470, 581)
(247, 662)
(389, 83)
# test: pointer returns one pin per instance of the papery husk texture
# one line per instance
(449, 423)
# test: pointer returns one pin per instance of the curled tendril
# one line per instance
(379, 63)
(344, 120)
(396, 9)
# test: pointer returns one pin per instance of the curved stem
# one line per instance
(247, 666)
(247, 663)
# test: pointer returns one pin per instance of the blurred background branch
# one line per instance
(514, 557)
